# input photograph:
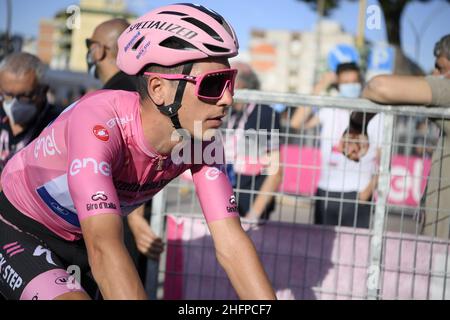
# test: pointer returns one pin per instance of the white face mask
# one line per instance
(350, 90)
(7, 107)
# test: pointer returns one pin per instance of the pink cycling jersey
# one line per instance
(94, 159)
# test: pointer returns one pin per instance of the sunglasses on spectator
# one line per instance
(209, 85)
(90, 42)
(23, 97)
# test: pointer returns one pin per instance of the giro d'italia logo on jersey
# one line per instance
(233, 207)
(101, 133)
(212, 173)
(99, 202)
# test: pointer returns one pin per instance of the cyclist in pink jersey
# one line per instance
(64, 194)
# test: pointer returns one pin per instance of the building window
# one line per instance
(258, 34)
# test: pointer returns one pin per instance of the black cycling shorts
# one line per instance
(37, 264)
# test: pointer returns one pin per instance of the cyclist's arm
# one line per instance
(92, 158)
(234, 250)
(110, 261)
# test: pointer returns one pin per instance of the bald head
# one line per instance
(102, 51)
(108, 32)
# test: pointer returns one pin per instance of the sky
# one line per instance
(422, 23)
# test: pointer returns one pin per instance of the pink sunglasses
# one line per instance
(209, 85)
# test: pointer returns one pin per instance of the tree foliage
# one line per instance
(392, 10)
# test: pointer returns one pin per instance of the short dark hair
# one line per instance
(442, 47)
(142, 80)
(347, 66)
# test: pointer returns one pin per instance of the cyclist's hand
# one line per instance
(147, 242)
(354, 145)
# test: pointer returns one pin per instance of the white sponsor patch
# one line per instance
(212, 174)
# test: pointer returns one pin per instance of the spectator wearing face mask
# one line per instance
(343, 183)
(347, 87)
(432, 90)
(24, 111)
(102, 53)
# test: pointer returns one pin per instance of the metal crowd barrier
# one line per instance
(399, 261)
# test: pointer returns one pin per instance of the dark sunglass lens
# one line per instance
(213, 85)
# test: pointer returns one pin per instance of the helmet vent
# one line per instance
(138, 43)
(207, 11)
(216, 48)
(174, 13)
(227, 27)
(177, 43)
(203, 27)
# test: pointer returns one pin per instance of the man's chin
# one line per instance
(206, 135)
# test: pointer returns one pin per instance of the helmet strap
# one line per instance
(171, 110)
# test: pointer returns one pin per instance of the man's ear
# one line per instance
(98, 53)
(155, 89)
(44, 89)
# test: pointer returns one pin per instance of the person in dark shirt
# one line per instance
(24, 111)
(102, 53)
(255, 173)
(140, 240)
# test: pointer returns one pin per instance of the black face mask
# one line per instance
(22, 113)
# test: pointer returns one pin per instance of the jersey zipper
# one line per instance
(159, 167)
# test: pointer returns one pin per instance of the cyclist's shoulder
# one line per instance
(108, 97)
(103, 103)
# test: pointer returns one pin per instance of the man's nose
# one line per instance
(227, 98)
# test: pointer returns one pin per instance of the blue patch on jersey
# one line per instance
(62, 212)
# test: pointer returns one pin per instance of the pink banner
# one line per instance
(309, 262)
(302, 172)
(408, 180)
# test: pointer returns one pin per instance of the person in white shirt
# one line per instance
(345, 186)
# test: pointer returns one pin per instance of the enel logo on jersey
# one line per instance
(77, 164)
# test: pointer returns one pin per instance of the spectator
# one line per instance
(433, 90)
(102, 53)
(140, 239)
(25, 110)
(425, 139)
(244, 119)
(342, 179)
(303, 116)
